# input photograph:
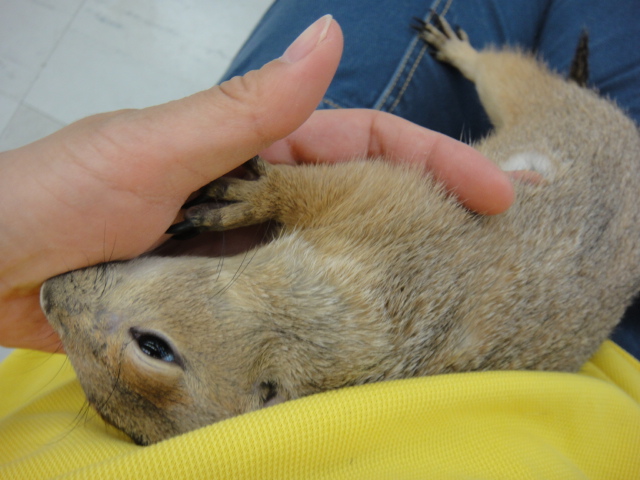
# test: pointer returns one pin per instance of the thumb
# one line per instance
(191, 141)
(114, 182)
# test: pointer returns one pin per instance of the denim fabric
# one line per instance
(385, 66)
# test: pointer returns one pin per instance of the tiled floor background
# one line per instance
(61, 60)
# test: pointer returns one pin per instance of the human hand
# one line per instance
(341, 135)
(107, 187)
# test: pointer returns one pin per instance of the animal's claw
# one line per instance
(183, 230)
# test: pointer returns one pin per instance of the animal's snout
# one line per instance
(70, 294)
(54, 292)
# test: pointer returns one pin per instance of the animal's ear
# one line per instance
(270, 393)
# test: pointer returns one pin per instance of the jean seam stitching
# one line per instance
(396, 80)
(406, 83)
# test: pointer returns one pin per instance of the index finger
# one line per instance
(341, 135)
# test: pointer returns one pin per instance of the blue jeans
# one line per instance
(386, 67)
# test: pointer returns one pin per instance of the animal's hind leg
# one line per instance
(509, 83)
(451, 46)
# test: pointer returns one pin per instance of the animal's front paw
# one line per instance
(449, 45)
(228, 203)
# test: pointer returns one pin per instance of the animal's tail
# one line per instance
(579, 72)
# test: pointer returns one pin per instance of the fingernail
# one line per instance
(308, 40)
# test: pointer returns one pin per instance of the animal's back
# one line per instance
(544, 283)
(539, 287)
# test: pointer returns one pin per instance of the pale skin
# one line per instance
(107, 187)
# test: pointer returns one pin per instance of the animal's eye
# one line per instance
(154, 346)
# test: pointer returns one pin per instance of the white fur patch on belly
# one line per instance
(530, 161)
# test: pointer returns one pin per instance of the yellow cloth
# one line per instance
(490, 425)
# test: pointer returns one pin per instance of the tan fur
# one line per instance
(376, 273)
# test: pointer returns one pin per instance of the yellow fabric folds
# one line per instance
(490, 425)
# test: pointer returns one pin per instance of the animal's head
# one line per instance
(160, 347)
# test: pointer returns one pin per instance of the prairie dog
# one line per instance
(376, 273)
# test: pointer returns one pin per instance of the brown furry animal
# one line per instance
(376, 272)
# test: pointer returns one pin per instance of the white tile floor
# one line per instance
(61, 60)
